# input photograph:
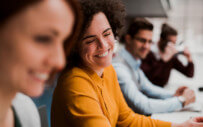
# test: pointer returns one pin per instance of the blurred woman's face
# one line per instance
(31, 46)
(172, 38)
(98, 43)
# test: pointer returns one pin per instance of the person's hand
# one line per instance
(189, 96)
(169, 52)
(193, 122)
(180, 91)
(187, 54)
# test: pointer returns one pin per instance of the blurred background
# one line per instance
(184, 15)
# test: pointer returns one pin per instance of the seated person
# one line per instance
(88, 93)
(159, 62)
(141, 95)
(32, 36)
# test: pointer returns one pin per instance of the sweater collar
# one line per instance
(95, 77)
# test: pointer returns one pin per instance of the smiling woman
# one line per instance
(32, 36)
(88, 93)
(77, 99)
(97, 44)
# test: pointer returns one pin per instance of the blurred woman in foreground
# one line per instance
(32, 35)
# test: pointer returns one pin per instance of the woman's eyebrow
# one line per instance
(89, 36)
(107, 30)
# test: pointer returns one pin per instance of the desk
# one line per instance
(176, 80)
(177, 117)
(181, 116)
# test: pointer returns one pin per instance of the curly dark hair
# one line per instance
(114, 10)
(166, 31)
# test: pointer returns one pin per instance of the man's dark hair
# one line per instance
(135, 25)
(139, 24)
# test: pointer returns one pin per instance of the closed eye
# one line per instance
(107, 34)
(43, 38)
(90, 41)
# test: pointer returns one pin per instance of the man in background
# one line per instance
(141, 95)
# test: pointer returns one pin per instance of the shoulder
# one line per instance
(75, 82)
(26, 111)
(151, 55)
(118, 62)
(75, 75)
(149, 61)
(110, 73)
(122, 70)
(110, 69)
(74, 72)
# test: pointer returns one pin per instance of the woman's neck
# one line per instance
(98, 71)
(6, 114)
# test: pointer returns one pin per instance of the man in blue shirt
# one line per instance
(141, 95)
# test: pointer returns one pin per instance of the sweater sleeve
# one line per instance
(138, 101)
(186, 70)
(127, 118)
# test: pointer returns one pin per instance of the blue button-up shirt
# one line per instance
(141, 95)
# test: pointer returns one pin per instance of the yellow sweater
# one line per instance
(83, 99)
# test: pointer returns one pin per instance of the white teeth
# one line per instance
(42, 76)
(104, 54)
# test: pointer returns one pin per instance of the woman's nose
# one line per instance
(57, 58)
